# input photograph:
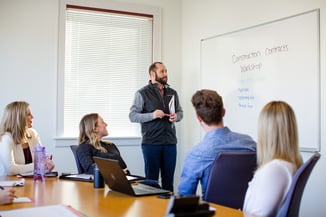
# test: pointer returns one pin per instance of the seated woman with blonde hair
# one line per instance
(17, 140)
(92, 129)
(278, 159)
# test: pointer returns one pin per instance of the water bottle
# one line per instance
(39, 163)
(98, 178)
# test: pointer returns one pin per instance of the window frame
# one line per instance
(105, 5)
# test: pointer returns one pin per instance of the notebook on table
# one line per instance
(77, 177)
(31, 174)
(90, 178)
(115, 178)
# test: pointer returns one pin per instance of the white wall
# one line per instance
(28, 68)
(205, 18)
(28, 61)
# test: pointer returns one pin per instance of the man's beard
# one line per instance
(162, 81)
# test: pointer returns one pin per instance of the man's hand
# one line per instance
(173, 117)
(158, 114)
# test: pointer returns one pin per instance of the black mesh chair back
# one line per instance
(291, 204)
(228, 181)
(74, 151)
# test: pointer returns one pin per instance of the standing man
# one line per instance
(198, 163)
(156, 107)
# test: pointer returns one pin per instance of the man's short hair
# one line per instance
(208, 105)
(153, 67)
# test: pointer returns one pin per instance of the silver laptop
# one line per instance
(115, 178)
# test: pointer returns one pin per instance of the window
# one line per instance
(104, 55)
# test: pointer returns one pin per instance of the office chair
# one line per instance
(290, 207)
(228, 180)
(79, 167)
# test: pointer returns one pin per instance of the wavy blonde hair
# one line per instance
(14, 121)
(278, 134)
(87, 133)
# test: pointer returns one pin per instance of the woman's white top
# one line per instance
(12, 159)
(268, 188)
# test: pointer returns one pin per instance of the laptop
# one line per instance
(115, 178)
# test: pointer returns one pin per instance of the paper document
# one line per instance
(22, 200)
(171, 105)
(134, 177)
(20, 182)
(41, 211)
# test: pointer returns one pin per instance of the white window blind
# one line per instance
(107, 55)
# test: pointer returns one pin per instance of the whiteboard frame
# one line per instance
(317, 11)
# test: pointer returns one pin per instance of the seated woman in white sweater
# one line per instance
(278, 159)
(17, 140)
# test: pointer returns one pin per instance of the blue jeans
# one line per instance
(160, 158)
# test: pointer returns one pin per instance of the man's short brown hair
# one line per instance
(208, 105)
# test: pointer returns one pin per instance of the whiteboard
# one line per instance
(278, 60)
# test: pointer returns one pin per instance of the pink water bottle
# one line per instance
(39, 163)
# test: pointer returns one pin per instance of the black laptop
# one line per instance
(115, 178)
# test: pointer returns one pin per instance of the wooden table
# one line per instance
(96, 202)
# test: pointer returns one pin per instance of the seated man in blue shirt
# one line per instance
(198, 163)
